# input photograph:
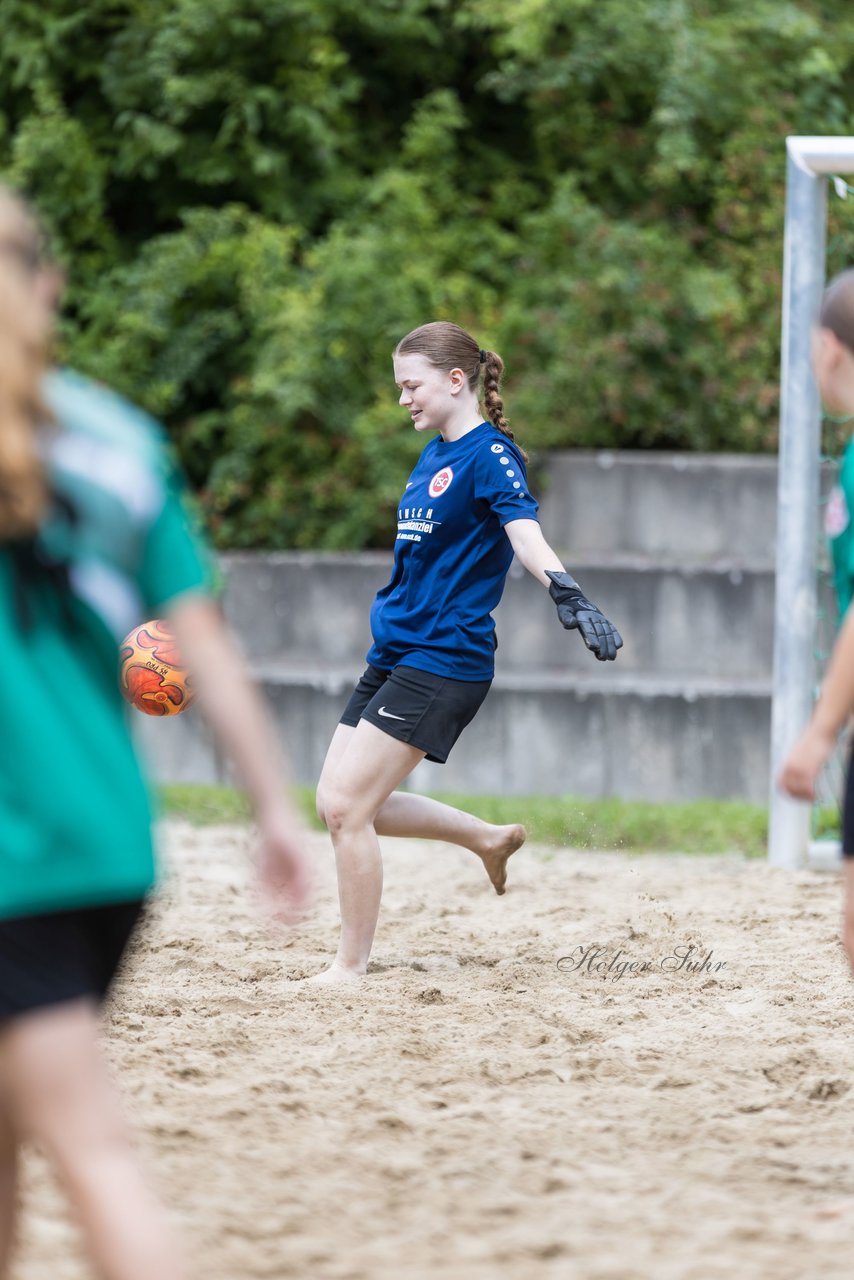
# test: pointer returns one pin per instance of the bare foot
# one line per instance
(843, 1207)
(507, 841)
(335, 976)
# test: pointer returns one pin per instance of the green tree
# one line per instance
(256, 200)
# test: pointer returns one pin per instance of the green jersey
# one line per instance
(74, 809)
(837, 526)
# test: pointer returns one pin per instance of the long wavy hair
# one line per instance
(448, 347)
(24, 354)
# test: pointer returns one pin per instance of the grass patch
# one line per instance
(700, 826)
(203, 806)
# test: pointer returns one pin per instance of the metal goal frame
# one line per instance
(810, 160)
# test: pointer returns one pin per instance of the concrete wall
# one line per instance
(695, 508)
(718, 619)
(677, 550)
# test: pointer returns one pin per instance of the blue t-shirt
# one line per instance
(451, 557)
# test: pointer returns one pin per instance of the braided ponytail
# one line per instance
(493, 370)
(448, 347)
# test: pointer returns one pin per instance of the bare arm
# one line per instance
(810, 753)
(836, 702)
(574, 610)
(531, 548)
(235, 711)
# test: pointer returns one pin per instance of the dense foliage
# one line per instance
(256, 198)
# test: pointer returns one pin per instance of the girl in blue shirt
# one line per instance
(465, 512)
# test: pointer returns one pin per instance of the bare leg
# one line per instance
(356, 799)
(60, 1095)
(367, 765)
(841, 1207)
(404, 814)
(419, 817)
(8, 1190)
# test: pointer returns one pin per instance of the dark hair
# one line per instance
(448, 347)
(837, 308)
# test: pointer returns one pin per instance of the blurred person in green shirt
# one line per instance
(94, 539)
(833, 362)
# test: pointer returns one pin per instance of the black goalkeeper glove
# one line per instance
(576, 611)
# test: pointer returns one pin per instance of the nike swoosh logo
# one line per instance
(388, 715)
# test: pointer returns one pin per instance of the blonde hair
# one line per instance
(448, 347)
(24, 343)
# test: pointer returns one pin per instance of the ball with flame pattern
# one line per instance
(151, 675)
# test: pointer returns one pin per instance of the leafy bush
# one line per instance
(256, 200)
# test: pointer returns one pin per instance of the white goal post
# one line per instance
(809, 162)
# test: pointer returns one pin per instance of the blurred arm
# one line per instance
(836, 702)
(235, 711)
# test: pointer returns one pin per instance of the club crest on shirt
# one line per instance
(440, 482)
(836, 515)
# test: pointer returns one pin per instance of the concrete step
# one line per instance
(711, 620)
(701, 507)
(303, 604)
(677, 549)
(548, 733)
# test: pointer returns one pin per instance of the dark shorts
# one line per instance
(62, 955)
(425, 710)
(848, 810)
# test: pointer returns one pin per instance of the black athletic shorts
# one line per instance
(62, 955)
(848, 811)
(425, 710)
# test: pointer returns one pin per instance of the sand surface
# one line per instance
(475, 1110)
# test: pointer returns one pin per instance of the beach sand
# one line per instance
(476, 1109)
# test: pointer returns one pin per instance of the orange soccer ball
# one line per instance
(151, 675)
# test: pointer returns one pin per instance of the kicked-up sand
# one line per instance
(624, 1069)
